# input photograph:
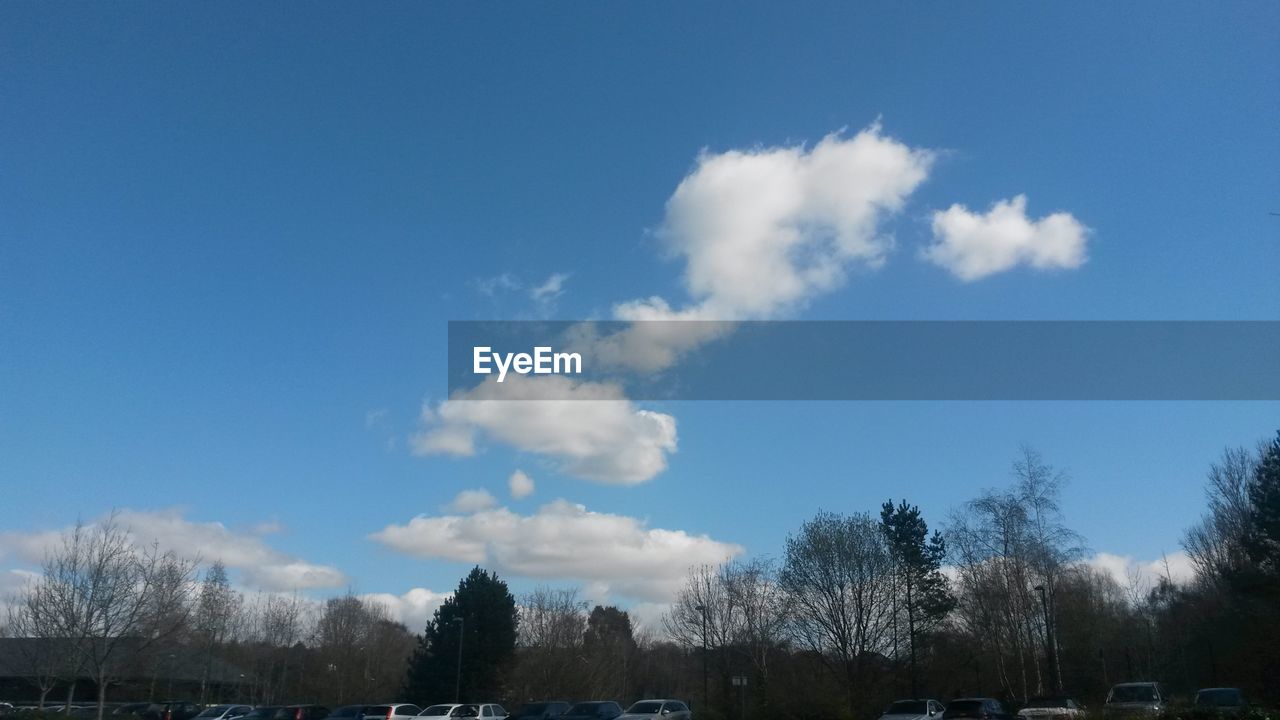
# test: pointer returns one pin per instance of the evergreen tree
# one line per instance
(924, 595)
(481, 615)
(1263, 536)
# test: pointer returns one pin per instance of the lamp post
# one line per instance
(457, 687)
(1051, 646)
(706, 693)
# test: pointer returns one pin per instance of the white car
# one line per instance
(1052, 707)
(439, 711)
(912, 710)
(391, 711)
(483, 711)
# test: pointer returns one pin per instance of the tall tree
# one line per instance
(920, 589)
(214, 614)
(1263, 535)
(481, 620)
(837, 575)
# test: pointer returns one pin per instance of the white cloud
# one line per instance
(491, 286)
(972, 246)
(564, 541)
(413, 608)
(1126, 569)
(243, 550)
(471, 501)
(763, 231)
(551, 289)
(520, 484)
(590, 429)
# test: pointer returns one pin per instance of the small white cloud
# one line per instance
(520, 484)
(972, 246)
(413, 608)
(591, 429)
(472, 501)
(551, 289)
(617, 554)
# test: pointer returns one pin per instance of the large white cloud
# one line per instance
(564, 541)
(762, 231)
(590, 429)
(261, 565)
(1126, 569)
(972, 245)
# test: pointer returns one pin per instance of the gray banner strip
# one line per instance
(872, 360)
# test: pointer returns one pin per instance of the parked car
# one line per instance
(912, 710)
(542, 710)
(484, 711)
(130, 708)
(346, 712)
(593, 710)
(979, 708)
(1134, 698)
(169, 710)
(391, 711)
(442, 710)
(224, 712)
(1052, 707)
(1220, 701)
(657, 710)
(263, 712)
(302, 712)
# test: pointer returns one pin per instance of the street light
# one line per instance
(1049, 641)
(457, 687)
(705, 691)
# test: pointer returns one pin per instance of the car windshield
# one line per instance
(908, 707)
(466, 711)
(261, 713)
(590, 708)
(1049, 702)
(964, 706)
(377, 710)
(1222, 697)
(645, 708)
(215, 711)
(1132, 693)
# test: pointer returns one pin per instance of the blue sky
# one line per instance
(231, 236)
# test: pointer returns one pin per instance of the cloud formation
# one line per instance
(564, 541)
(763, 231)
(520, 485)
(469, 501)
(260, 565)
(591, 431)
(1125, 569)
(972, 246)
(413, 608)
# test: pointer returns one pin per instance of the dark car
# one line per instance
(169, 710)
(593, 710)
(263, 712)
(224, 712)
(302, 712)
(346, 712)
(978, 708)
(1220, 701)
(130, 708)
(541, 710)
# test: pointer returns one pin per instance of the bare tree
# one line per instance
(215, 611)
(551, 660)
(1216, 545)
(838, 575)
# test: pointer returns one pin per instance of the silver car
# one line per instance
(657, 710)
(912, 710)
(1135, 698)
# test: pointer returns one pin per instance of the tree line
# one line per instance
(856, 610)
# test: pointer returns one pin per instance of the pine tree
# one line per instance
(918, 558)
(481, 615)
